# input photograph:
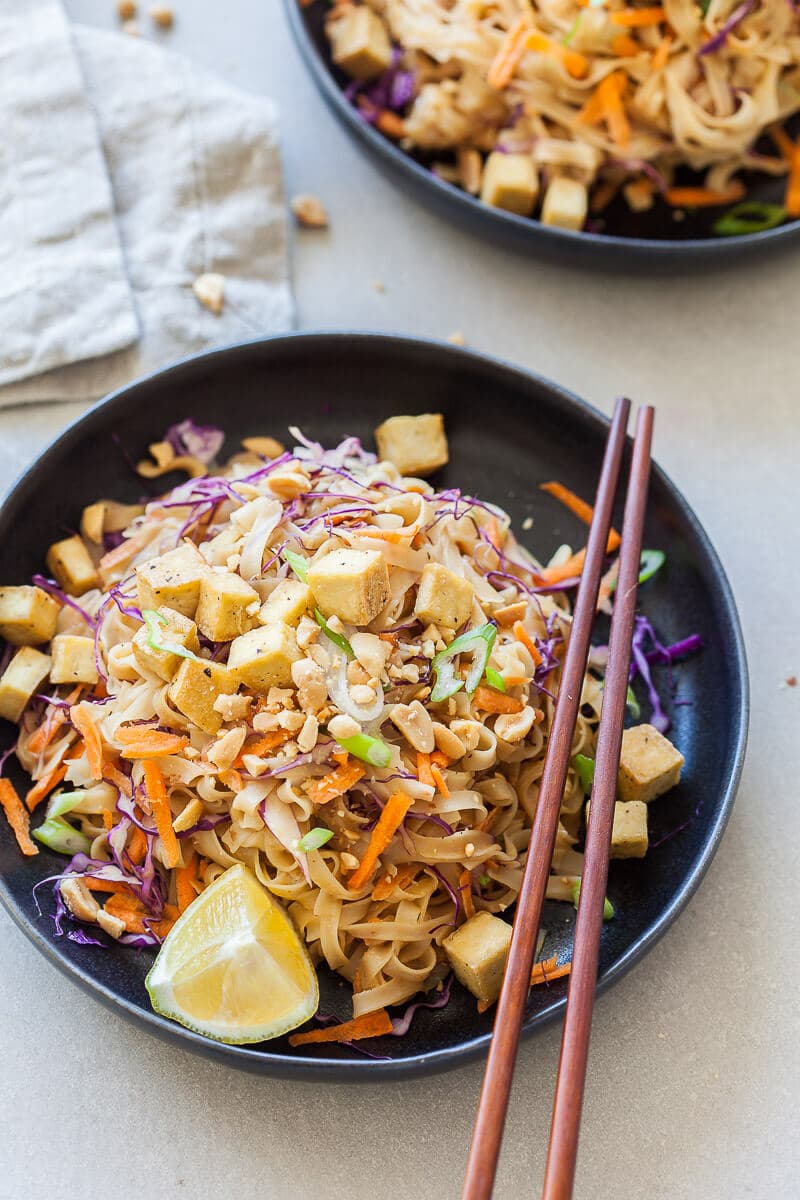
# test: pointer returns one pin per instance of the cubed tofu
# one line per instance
(443, 598)
(177, 630)
(24, 675)
(510, 181)
(416, 445)
(287, 603)
(629, 832)
(359, 42)
(350, 584)
(71, 564)
(477, 952)
(27, 615)
(649, 764)
(73, 659)
(263, 658)
(195, 688)
(565, 204)
(228, 606)
(172, 579)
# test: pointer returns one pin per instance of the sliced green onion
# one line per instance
(62, 802)
(632, 704)
(152, 620)
(62, 837)
(585, 768)
(751, 216)
(298, 564)
(484, 880)
(608, 907)
(705, 5)
(495, 679)
(315, 838)
(480, 641)
(573, 29)
(369, 749)
(650, 562)
(336, 638)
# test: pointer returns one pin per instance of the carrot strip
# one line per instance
(115, 886)
(372, 1024)
(465, 892)
(44, 786)
(108, 820)
(91, 736)
(137, 846)
(151, 743)
(661, 56)
(262, 745)
(384, 887)
(440, 759)
(390, 124)
(488, 821)
(491, 701)
(120, 780)
(522, 635)
(133, 914)
(439, 779)
(336, 783)
(424, 774)
(508, 57)
(624, 46)
(611, 92)
(638, 18)
(792, 200)
(583, 511)
(575, 64)
(547, 971)
(566, 570)
(156, 790)
(57, 717)
(782, 140)
(342, 757)
(17, 817)
(702, 197)
(184, 879)
(389, 822)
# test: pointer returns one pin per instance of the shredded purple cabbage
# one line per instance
(642, 658)
(127, 610)
(52, 588)
(721, 36)
(402, 1024)
(203, 442)
(454, 896)
(423, 816)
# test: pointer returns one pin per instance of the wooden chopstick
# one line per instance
(488, 1132)
(562, 1153)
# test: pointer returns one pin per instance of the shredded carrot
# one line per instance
(424, 774)
(91, 736)
(583, 511)
(151, 743)
(491, 701)
(156, 790)
(792, 199)
(571, 567)
(372, 1024)
(661, 56)
(119, 555)
(545, 972)
(575, 64)
(134, 915)
(137, 847)
(395, 537)
(184, 881)
(45, 785)
(440, 759)
(112, 773)
(488, 821)
(782, 140)
(522, 635)
(17, 817)
(439, 779)
(508, 57)
(57, 717)
(108, 820)
(384, 887)
(702, 197)
(388, 637)
(389, 822)
(609, 93)
(637, 18)
(336, 783)
(262, 745)
(341, 757)
(108, 885)
(390, 124)
(624, 46)
(465, 892)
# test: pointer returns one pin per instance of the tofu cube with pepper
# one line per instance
(477, 952)
(649, 764)
(71, 564)
(24, 675)
(195, 688)
(263, 658)
(566, 203)
(176, 630)
(228, 606)
(629, 831)
(350, 584)
(443, 598)
(359, 42)
(27, 615)
(173, 580)
(510, 181)
(287, 603)
(73, 659)
(416, 445)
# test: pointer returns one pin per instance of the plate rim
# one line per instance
(500, 222)
(358, 1070)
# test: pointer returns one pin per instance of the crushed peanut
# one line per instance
(309, 211)
(126, 10)
(162, 16)
(210, 291)
(457, 339)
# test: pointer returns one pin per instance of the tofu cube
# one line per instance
(416, 445)
(173, 580)
(73, 659)
(263, 658)
(71, 564)
(27, 615)
(178, 631)
(287, 603)
(24, 675)
(359, 42)
(649, 764)
(566, 203)
(228, 606)
(350, 584)
(443, 598)
(629, 832)
(477, 951)
(195, 688)
(510, 181)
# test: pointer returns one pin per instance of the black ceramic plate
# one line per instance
(508, 432)
(628, 240)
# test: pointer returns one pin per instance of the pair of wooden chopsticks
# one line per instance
(488, 1132)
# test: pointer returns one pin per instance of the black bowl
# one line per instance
(508, 432)
(629, 241)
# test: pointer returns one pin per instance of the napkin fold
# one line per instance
(128, 172)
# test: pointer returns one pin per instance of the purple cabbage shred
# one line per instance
(203, 442)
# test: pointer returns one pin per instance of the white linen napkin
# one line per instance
(128, 173)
